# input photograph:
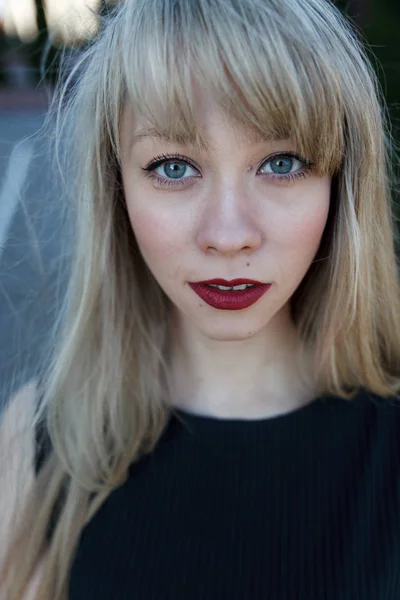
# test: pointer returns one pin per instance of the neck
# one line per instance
(253, 378)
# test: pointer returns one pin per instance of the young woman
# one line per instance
(219, 415)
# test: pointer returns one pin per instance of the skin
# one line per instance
(227, 222)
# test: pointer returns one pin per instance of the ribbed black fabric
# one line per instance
(302, 506)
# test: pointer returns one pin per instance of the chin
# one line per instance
(225, 325)
(233, 332)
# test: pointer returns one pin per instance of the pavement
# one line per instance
(29, 238)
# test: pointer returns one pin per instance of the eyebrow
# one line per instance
(151, 132)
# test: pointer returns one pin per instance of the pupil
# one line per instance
(282, 165)
(176, 171)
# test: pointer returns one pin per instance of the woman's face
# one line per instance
(240, 210)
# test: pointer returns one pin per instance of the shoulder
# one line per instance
(16, 419)
(369, 413)
(20, 407)
(17, 452)
(387, 405)
(380, 415)
(17, 473)
(17, 441)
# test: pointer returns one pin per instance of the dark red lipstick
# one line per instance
(230, 299)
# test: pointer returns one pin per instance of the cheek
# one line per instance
(307, 230)
(299, 233)
(158, 237)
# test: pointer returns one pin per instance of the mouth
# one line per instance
(236, 294)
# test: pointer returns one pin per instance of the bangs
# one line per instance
(266, 74)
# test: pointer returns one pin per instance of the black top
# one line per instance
(302, 506)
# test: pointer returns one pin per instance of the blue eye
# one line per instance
(174, 169)
(285, 166)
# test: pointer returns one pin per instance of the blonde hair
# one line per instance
(293, 67)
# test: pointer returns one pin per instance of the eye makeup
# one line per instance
(163, 159)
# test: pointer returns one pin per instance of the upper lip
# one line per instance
(232, 282)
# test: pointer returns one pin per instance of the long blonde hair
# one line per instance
(296, 67)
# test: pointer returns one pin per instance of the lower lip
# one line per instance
(224, 300)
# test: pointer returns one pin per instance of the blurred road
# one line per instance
(29, 245)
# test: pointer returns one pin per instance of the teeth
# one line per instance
(235, 287)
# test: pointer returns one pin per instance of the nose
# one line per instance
(229, 223)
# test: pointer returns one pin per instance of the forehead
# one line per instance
(203, 130)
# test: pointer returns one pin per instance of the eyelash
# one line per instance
(165, 158)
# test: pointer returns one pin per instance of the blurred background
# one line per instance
(33, 33)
